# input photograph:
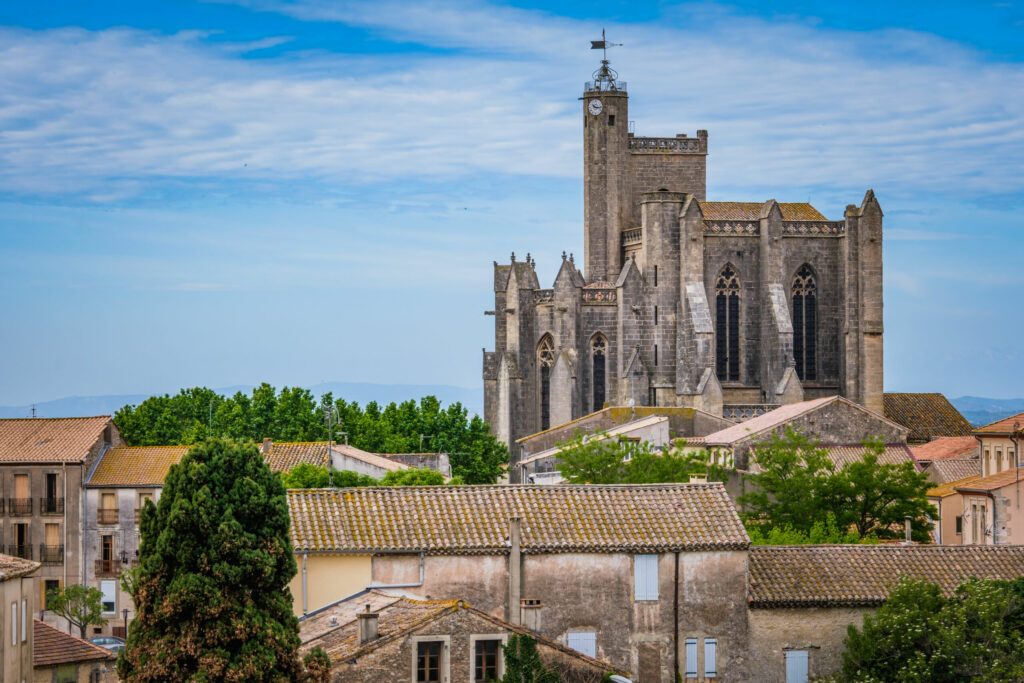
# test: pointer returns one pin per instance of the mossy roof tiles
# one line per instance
(751, 211)
(456, 520)
(132, 466)
(62, 439)
(926, 415)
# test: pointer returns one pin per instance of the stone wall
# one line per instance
(820, 631)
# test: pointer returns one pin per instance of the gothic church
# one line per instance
(732, 308)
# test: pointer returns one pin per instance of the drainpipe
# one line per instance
(404, 585)
(675, 621)
(64, 477)
(515, 568)
(305, 583)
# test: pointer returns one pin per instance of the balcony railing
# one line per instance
(108, 567)
(51, 554)
(104, 516)
(22, 551)
(19, 507)
(51, 506)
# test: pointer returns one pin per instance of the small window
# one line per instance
(611, 119)
(109, 598)
(428, 661)
(24, 620)
(655, 276)
(583, 641)
(645, 577)
(796, 666)
(66, 673)
(960, 524)
(14, 623)
(655, 354)
(487, 656)
(710, 657)
(691, 657)
(49, 586)
(655, 316)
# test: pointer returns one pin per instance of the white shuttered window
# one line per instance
(691, 657)
(796, 666)
(583, 641)
(710, 658)
(645, 577)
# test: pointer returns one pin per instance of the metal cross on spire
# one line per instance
(604, 78)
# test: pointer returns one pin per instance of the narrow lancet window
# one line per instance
(545, 361)
(598, 354)
(727, 325)
(805, 319)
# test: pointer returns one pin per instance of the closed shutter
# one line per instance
(645, 570)
(691, 657)
(710, 658)
(53, 535)
(796, 666)
(21, 486)
(583, 641)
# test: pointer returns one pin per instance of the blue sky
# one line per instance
(301, 190)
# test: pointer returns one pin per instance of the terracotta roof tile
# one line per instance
(927, 416)
(751, 211)
(952, 469)
(375, 459)
(12, 567)
(863, 575)
(766, 421)
(1004, 426)
(131, 466)
(52, 647)
(992, 482)
(949, 488)
(446, 520)
(284, 456)
(62, 439)
(946, 447)
(893, 454)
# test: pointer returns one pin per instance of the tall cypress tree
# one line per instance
(211, 590)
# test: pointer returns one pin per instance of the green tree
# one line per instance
(309, 476)
(822, 531)
(413, 477)
(600, 460)
(523, 663)
(921, 636)
(211, 590)
(80, 605)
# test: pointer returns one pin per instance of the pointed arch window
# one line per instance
(727, 325)
(598, 360)
(805, 321)
(545, 361)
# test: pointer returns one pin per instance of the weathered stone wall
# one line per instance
(652, 171)
(820, 631)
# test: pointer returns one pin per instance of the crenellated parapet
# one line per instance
(680, 144)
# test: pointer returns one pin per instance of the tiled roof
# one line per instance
(136, 465)
(61, 439)
(12, 567)
(369, 458)
(951, 469)
(766, 421)
(993, 482)
(927, 416)
(751, 211)
(893, 454)
(863, 575)
(53, 647)
(450, 520)
(1004, 426)
(614, 432)
(949, 488)
(284, 456)
(946, 447)
(399, 616)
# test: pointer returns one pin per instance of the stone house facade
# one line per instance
(18, 603)
(43, 464)
(999, 444)
(61, 657)
(722, 306)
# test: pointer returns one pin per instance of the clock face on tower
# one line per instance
(595, 107)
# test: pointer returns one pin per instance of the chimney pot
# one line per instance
(368, 626)
(907, 538)
(267, 445)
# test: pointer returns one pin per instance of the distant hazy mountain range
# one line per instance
(362, 393)
(980, 411)
(977, 410)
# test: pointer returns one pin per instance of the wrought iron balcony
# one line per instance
(105, 516)
(22, 551)
(51, 506)
(19, 507)
(51, 554)
(108, 567)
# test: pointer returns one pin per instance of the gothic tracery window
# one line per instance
(545, 361)
(805, 319)
(727, 325)
(598, 353)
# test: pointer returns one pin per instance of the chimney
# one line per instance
(515, 568)
(907, 538)
(368, 626)
(267, 445)
(530, 613)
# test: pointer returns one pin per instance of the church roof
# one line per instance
(751, 211)
(926, 415)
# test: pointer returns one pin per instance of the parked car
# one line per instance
(111, 643)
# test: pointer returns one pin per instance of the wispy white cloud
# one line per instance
(791, 107)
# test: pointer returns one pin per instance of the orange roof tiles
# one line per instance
(892, 454)
(949, 488)
(766, 421)
(751, 211)
(12, 567)
(952, 469)
(130, 466)
(53, 647)
(993, 482)
(863, 575)
(1004, 426)
(946, 447)
(927, 416)
(284, 456)
(63, 439)
(450, 520)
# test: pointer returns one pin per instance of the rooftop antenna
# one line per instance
(33, 410)
(331, 420)
(604, 78)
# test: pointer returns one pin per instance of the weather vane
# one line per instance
(605, 74)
